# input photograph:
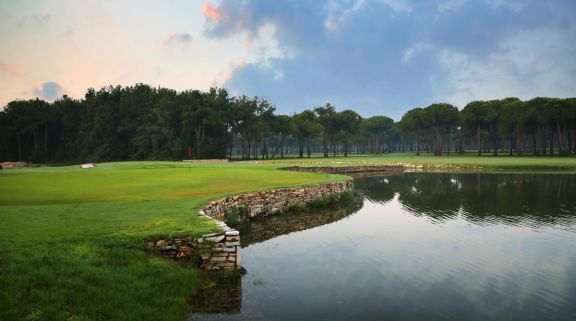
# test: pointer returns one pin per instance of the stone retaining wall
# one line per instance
(221, 250)
(217, 251)
(348, 169)
(273, 201)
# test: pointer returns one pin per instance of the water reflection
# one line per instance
(218, 293)
(261, 229)
(535, 200)
(423, 247)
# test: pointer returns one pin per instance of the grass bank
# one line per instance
(71, 240)
(465, 162)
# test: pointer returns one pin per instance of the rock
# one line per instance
(209, 235)
(160, 243)
(216, 259)
(232, 233)
(215, 239)
(227, 265)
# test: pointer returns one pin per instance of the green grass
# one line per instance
(71, 240)
(464, 162)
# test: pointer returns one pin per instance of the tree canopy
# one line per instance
(141, 122)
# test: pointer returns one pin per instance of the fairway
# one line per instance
(485, 162)
(72, 240)
(139, 199)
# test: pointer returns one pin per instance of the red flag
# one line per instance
(189, 151)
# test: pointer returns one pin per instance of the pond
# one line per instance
(420, 247)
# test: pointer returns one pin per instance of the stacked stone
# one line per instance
(273, 201)
(174, 248)
(219, 251)
(348, 169)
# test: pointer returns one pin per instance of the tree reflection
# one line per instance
(535, 200)
(261, 229)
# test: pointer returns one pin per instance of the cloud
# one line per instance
(10, 68)
(338, 14)
(445, 6)
(211, 12)
(532, 63)
(33, 21)
(398, 5)
(233, 69)
(384, 57)
(177, 38)
(49, 91)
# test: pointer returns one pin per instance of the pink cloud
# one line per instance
(228, 75)
(212, 12)
(10, 68)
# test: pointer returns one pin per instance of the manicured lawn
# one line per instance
(468, 160)
(71, 241)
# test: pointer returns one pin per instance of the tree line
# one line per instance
(141, 122)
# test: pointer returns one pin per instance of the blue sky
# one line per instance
(373, 56)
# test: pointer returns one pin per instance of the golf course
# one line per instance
(72, 239)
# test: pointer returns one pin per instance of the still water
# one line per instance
(420, 247)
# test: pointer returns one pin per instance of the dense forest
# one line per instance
(145, 123)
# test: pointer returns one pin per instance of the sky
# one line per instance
(377, 57)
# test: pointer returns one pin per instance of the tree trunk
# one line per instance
(478, 140)
(277, 145)
(448, 141)
(325, 142)
(560, 142)
(243, 142)
(199, 130)
(417, 145)
(495, 140)
(551, 141)
(510, 142)
(334, 145)
(543, 140)
(518, 142)
(438, 146)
